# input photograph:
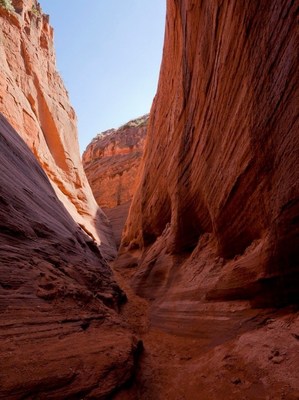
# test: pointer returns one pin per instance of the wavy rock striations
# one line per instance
(35, 102)
(60, 332)
(111, 162)
(212, 231)
(60, 335)
(215, 215)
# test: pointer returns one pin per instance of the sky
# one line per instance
(108, 53)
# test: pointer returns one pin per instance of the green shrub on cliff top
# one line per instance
(137, 122)
(36, 11)
(7, 4)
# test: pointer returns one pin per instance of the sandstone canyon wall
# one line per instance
(111, 163)
(212, 231)
(215, 215)
(60, 334)
(35, 101)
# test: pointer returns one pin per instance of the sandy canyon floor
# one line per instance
(233, 353)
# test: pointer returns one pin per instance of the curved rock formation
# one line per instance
(213, 228)
(60, 336)
(212, 231)
(35, 101)
(111, 162)
(217, 203)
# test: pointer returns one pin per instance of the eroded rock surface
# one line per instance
(215, 215)
(60, 334)
(212, 232)
(260, 363)
(35, 102)
(111, 162)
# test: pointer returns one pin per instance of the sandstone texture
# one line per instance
(215, 215)
(211, 240)
(60, 333)
(259, 361)
(210, 247)
(111, 163)
(35, 102)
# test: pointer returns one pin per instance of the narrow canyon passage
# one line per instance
(190, 291)
(189, 343)
(209, 252)
(203, 259)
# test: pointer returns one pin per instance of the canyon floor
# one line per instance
(233, 353)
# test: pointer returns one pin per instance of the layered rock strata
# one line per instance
(111, 163)
(35, 101)
(212, 232)
(215, 215)
(60, 333)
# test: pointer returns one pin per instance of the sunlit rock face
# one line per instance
(111, 162)
(215, 214)
(35, 101)
(60, 332)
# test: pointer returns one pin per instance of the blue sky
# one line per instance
(108, 53)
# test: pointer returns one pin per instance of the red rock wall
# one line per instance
(111, 163)
(60, 334)
(216, 210)
(35, 101)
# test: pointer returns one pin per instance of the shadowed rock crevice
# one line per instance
(155, 223)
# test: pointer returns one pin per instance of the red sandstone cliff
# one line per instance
(219, 189)
(111, 163)
(212, 230)
(60, 334)
(34, 100)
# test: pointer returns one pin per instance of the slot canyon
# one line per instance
(164, 263)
